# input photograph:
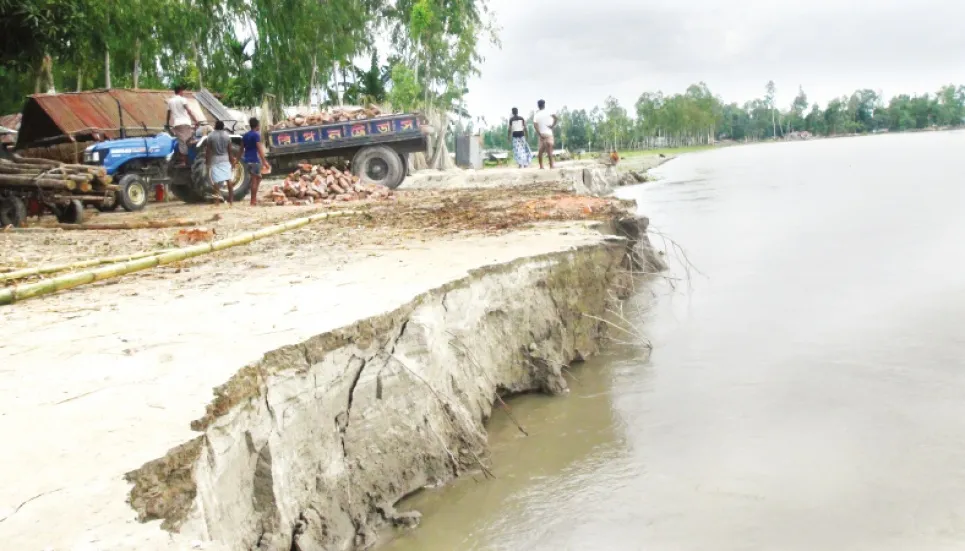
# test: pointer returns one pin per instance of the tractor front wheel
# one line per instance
(132, 194)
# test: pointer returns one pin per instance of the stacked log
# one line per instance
(334, 115)
(59, 182)
(312, 184)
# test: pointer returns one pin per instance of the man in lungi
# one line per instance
(220, 160)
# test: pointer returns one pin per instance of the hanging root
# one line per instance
(460, 425)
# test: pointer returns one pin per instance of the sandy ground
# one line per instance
(96, 381)
(409, 215)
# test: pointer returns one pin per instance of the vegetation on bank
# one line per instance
(698, 117)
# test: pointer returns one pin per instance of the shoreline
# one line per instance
(317, 362)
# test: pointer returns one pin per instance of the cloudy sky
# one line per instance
(578, 52)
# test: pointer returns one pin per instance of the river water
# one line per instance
(807, 385)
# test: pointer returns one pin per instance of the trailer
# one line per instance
(30, 187)
(377, 148)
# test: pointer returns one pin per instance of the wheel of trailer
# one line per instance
(201, 179)
(379, 165)
(132, 194)
(72, 213)
(13, 211)
(108, 206)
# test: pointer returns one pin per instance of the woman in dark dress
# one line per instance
(518, 134)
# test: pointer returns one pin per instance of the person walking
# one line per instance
(518, 135)
(181, 121)
(253, 155)
(220, 161)
(544, 122)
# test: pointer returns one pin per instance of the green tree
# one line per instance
(798, 108)
(439, 39)
(405, 92)
(815, 122)
(769, 99)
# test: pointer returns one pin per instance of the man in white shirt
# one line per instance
(544, 122)
(181, 121)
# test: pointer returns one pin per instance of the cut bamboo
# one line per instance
(18, 293)
(33, 161)
(55, 268)
(84, 198)
(18, 169)
(34, 182)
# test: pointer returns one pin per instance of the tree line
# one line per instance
(697, 117)
(242, 49)
(287, 52)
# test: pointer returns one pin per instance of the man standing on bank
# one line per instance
(181, 121)
(253, 155)
(518, 135)
(220, 161)
(544, 122)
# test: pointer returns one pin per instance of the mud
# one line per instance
(311, 447)
(391, 331)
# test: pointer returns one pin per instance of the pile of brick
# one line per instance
(312, 184)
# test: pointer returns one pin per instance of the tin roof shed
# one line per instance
(50, 119)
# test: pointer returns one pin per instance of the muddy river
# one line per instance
(807, 385)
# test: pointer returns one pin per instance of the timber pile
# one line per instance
(57, 181)
(337, 114)
(316, 184)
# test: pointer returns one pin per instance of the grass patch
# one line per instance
(666, 151)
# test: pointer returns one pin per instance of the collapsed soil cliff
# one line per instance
(310, 448)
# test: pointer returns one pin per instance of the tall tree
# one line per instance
(800, 105)
(769, 98)
(439, 40)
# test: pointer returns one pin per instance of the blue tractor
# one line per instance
(139, 164)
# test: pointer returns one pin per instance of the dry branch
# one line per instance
(141, 225)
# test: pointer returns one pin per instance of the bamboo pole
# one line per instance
(35, 161)
(69, 281)
(34, 182)
(54, 268)
(86, 198)
(20, 169)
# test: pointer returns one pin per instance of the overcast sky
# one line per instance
(578, 52)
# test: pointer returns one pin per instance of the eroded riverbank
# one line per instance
(385, 361)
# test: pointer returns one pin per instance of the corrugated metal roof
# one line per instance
(11, 123)
(78, 116)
